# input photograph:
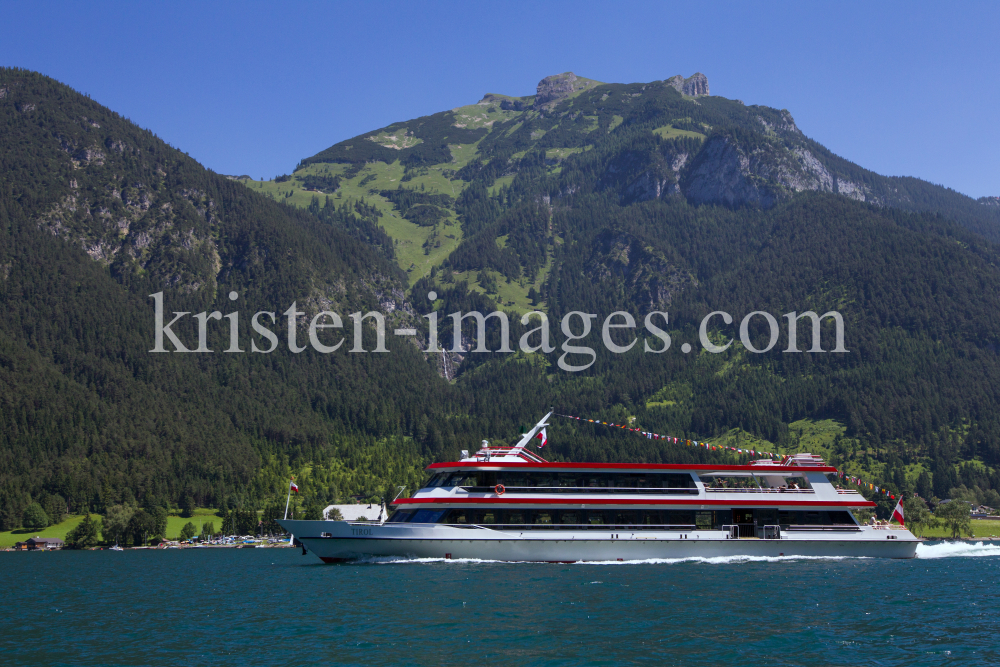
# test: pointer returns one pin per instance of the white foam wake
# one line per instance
(710, 560)
(957, 550)
(926, 551)
(715, 560)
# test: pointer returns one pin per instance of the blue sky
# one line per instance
(250, 88)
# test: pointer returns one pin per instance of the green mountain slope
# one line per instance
(652, 141)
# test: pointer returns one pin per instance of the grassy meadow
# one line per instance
(174, 524)
(671, 132)
(981, 528)
(201, 516)
(9, 537)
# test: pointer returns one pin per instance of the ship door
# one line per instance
(744, 519)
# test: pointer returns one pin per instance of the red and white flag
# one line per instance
(897, 513)
(541, 435)
(293, 486)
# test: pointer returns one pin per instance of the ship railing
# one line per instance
(573, 526)
(848, 492)
(690, 490)
(891, 526)
(724, 489)
(519, 452)
(832, 527)
(737, 530)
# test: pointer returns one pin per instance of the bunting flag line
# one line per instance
(673, 439)
(861, 484)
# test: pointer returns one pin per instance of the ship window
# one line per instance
(515, 517)
(649, 517)
(626, 481)
(427, 516)
(571, 517)
(400, 516)
(679, 518)
(481, 516)
(544, 479)
(462, 479)
(568, 479)
(841, 517)
(800, 482)
(729, 482)
(543, 517)
(594, 518)
(703, 520)
(436, 480)
(513, 480)
(767, 517)
(626, 517)
(457, 516)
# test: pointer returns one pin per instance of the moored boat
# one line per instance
(511, 504)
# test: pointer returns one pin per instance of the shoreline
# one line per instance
(170, 547)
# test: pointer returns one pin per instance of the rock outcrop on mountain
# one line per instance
(620, 262)
(515, 105)
(557, 87)
(693, 86)
(645, 175)
(726, 172)
(507, 103)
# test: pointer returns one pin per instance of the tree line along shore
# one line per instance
(212, 527)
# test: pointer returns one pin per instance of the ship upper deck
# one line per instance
(516, 475)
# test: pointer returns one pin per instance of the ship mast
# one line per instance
(526, 437)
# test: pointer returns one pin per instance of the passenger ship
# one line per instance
(510, 504)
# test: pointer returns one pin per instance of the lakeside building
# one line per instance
(40, 544)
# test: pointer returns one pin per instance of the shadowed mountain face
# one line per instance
(585, 197)
(95, 216)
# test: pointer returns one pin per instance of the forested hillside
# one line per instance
(96, 215)
(589, 197)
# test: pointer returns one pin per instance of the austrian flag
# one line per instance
(293, 486)
(897, 513)
(541, 435)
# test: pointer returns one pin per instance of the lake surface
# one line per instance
(271, 606)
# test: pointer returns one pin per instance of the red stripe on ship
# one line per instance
(763, 469)
(630, 501)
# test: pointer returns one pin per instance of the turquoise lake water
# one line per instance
(275, 606)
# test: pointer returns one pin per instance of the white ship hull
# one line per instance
(338, 541)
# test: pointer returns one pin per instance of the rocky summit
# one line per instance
(693, 86)
(558, 87)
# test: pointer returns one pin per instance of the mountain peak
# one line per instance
(558, 87)
(693, 86)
